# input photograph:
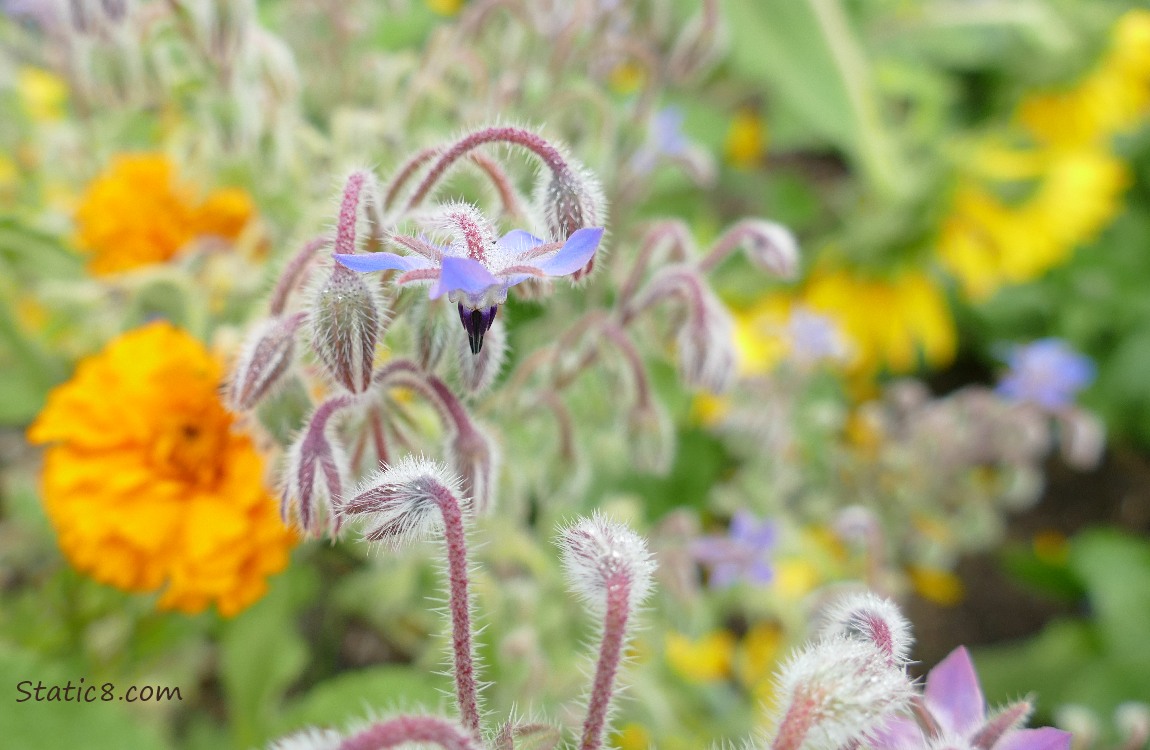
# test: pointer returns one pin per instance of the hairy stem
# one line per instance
(293, 272)
(516, 136)
(466, 691)
(610, 654)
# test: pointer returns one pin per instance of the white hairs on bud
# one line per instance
(401, 503)
(706, 343)
(772, 247)
(597, 552)
(347, 320)
(834, 692)
(264, 360)
(867, 617)
(309, 739)
(478, 371)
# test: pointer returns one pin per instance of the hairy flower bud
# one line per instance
(570, 201)
(316, 474)
(837, 691)
(706, 340)
(434, 334)
(475, 457)
(1082, 438)
(264, 360)
(402, 503)
(346, 319)
(771, 247)
(872, 619)
(600, 555)
(478, 371)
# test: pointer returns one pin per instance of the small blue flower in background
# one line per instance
(744, 553)
(665, 139)
(1046, 373)
(814, 337)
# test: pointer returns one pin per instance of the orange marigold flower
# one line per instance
(138, 213)
(149, 485)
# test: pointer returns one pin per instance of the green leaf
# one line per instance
(353, 696)
(29, 724)
(806, 52)
(261, 654)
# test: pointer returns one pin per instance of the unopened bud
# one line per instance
(403, 503)
(835, 692)
(706, 341)
(478, 371)
(475, 458)
(264, 361)
(771, 247)
(346, 321)
(1082, 438)
(1133, 721)
(316, 470)
(871, 619)
(570, 201)
(1080, 721)
(433, 336)
(600, 555)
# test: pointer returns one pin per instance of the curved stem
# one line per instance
(674, 232)
(516, 136)
(292, 273)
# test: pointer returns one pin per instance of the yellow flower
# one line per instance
(760, 335)
(704, 660)
(756, 660)
(148, 482)
(888, 322)
(746, 139)
(937, 585)
(627, 77)
(137, 213)
(633, 737)
(445, 7)
(42, 94)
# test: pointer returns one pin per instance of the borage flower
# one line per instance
(476, 270)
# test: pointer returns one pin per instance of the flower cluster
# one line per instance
(148, 482)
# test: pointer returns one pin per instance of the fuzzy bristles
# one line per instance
(870, 618)
(309, 739)
(402, 503)
(837, 691)
(599, 553)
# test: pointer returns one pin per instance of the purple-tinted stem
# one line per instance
(610, 654)
(409, 168)
(675, 233)
(407, 374)
(502, 183)
(293, 272)
(672, 281)
(725, 245)
(517, 136)
(349, 213)
(623, 343)
(407, 729)
(466, 693)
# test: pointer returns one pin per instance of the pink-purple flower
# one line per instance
(476, 269)
(954, 715)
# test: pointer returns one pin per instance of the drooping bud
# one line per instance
(835, 692)
(1081, 438)
(571, 200)
(264, 361)
(768, 245)
(601, 555)
(872, 619)
(434, 334)
(478, 370)
(402, 503)
(706, 341)
(347, 318)
(475, 458)
(316, 476)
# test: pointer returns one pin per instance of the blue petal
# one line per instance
(575, 253)
(465, 275)
(383, 262)
(518, 241)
